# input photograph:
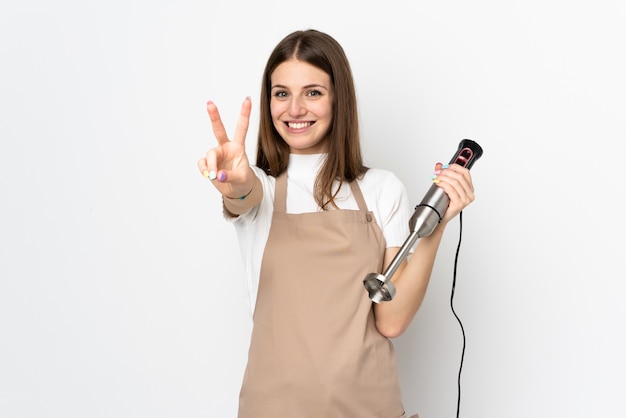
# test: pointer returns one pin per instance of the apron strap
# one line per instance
(356, 192)
(280, 193)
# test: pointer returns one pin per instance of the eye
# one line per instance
(314, 93)
(280, 94)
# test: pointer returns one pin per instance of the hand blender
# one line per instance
(423, 222)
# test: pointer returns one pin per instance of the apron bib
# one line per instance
(315, 351)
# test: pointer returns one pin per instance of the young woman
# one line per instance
(312, 222)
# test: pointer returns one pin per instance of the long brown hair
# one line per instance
(344, 161)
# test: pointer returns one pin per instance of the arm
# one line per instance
(238, 206)
(227, 164)
(412, 278)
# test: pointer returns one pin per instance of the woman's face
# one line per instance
(301, 100)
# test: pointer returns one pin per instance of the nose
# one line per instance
(296, 107)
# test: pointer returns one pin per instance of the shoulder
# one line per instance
(384, 192)
(380, 174)
(381, 182)
(386, 196)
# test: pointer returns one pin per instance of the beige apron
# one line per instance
(315, 351)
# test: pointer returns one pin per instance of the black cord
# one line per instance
(456, 260)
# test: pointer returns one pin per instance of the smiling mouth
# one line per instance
(299, 125)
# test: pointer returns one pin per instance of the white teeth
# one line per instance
(299, 125)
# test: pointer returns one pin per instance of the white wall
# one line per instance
(120, 290)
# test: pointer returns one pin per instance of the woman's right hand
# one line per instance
(227, 164)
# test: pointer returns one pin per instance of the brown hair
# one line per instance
(344, 161)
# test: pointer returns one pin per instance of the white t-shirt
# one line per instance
(384, 194)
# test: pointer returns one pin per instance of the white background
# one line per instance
(120, 284)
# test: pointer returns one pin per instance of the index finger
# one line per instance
(243, 122)
(216, 123)
(461, 176)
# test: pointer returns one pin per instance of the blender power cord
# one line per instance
(456, 260)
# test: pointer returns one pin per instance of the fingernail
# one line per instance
(222, 176)
(445, 166)
(436, 181)
(438, 166)
(434, 176)
(212, 175)
(437, 172)
(205, 173)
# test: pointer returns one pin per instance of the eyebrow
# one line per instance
(308, 86)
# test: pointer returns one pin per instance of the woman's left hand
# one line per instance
(456, 181)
